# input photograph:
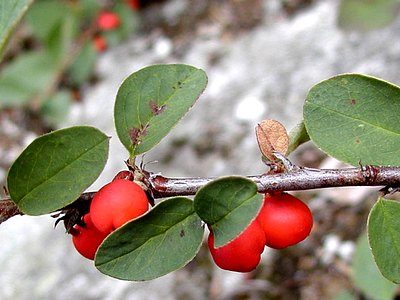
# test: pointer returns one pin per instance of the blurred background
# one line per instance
(63, 67)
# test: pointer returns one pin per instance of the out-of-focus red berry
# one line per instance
(108, 21)
(99, 43)
(133, 4)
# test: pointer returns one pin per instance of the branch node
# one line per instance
(369, 173)
(289, 166)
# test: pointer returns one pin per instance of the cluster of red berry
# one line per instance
(108, 21)
(283, 221)
(112, 206)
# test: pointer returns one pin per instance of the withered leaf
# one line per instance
(272, 136)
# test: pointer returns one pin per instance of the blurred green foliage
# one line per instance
(52, 53)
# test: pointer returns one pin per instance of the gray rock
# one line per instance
(270, 67)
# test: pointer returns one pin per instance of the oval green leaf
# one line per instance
(162, 241)
(11, 12)
(151, 101)
(367, 14)
(384, 237)
(353, 118)
(228, 205)
(366, 274)
(56, 168)
(26, 77)
(344, 295)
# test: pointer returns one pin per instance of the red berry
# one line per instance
(133, 4)
(108, 21)
(117, 203)
(241, 254)
(87, 239)
(100, 43)
(285, 220)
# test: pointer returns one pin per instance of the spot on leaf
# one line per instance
(155, 109)
(137, 133)
(179, 85)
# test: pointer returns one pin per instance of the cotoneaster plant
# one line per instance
(52, 175)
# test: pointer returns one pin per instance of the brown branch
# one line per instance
(8, 209)
(296, 179)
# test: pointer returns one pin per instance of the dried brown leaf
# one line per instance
(272, 136)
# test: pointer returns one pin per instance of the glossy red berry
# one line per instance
(241, 254)
(87, 239)
(285, 220)
(108, 21)
(117, 203)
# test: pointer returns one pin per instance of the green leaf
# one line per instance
(25, 77)
(228, 205)
(344, 295)
(82, 67)
(352, 118)
(367, 14)
(56, 168)
(44, 16)
(384, 237)
(298, 135)
(151, 101)
(56, 109)
(89, 9)
(60, 41)
(11, 12)
(129, 20)
(162, 241)
(366, 274)
(57, 24)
